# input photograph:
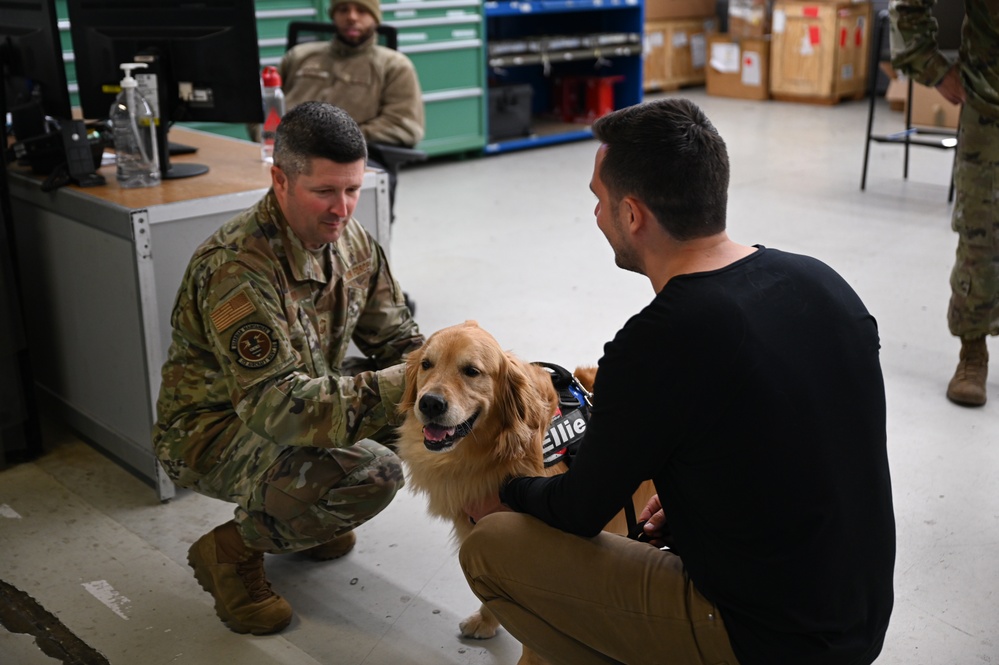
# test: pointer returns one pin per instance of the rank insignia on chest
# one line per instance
(254, 345)
(358, 272)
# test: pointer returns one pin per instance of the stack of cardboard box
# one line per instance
(793, 50)
(739, 60)
(675, 43)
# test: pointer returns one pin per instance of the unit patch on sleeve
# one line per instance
(254, 345)
(232, 310)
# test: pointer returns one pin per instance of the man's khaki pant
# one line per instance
(602, 600)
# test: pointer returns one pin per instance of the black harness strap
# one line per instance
(565, 432)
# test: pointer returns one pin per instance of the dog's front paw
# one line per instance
(478, 627)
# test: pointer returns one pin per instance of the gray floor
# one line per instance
(510, 241)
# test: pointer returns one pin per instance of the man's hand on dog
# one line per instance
(488, 506)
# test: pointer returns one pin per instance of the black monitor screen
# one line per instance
(204, 54)
(34, 76)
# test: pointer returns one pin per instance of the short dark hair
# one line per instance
(317, 129)
(667, 154)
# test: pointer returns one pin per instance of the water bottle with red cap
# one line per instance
(273, 110)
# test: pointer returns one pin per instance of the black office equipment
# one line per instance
(203, 54)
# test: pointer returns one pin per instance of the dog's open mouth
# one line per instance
(438, 439)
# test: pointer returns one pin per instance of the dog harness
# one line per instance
(567, 428)
(569, 423)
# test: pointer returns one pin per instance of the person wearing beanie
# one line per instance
(372, 6)
(375, 85)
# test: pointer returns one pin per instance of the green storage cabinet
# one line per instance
(445, 41)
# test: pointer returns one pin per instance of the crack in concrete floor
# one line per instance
(20, 613)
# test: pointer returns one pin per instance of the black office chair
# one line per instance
(943, 139)
(390, 157)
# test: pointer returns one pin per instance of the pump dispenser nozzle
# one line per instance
(127, 67)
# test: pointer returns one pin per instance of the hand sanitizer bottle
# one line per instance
(134, 131)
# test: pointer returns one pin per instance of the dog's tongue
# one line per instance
(435, 433)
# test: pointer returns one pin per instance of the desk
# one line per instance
(100, 268)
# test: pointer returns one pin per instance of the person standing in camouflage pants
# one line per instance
(972, 81)
(254, 407)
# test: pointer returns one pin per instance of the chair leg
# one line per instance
(880, 26)
(908, 126)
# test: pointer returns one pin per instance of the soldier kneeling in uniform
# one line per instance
(255, 407)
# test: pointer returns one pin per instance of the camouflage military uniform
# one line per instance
(253, 408)
(974, 304)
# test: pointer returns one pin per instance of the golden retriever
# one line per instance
(476, 415)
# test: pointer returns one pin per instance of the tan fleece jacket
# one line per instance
(376, 86)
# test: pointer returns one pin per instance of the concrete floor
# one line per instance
(510, 240)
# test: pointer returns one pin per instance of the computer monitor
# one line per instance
(204, 55)
(34, 76)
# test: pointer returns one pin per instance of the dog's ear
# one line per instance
(527, 402)
(413, 361)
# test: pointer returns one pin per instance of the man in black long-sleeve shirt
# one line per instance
(750, 391)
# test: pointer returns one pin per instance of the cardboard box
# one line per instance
(930, 109)
(896, 93)
(896, 90)
(738, 68)
(675, 52)
(820, 50)
(749, 19)
(656, 10)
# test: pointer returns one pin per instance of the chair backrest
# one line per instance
(300, 32)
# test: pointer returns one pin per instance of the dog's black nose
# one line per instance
(432, 405)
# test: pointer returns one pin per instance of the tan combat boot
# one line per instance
(968, 385)
(334, 549)
(234, 574)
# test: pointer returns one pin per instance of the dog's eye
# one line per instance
(426, 364)
(471, 371)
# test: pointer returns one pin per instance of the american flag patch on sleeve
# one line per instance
(232, 310)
